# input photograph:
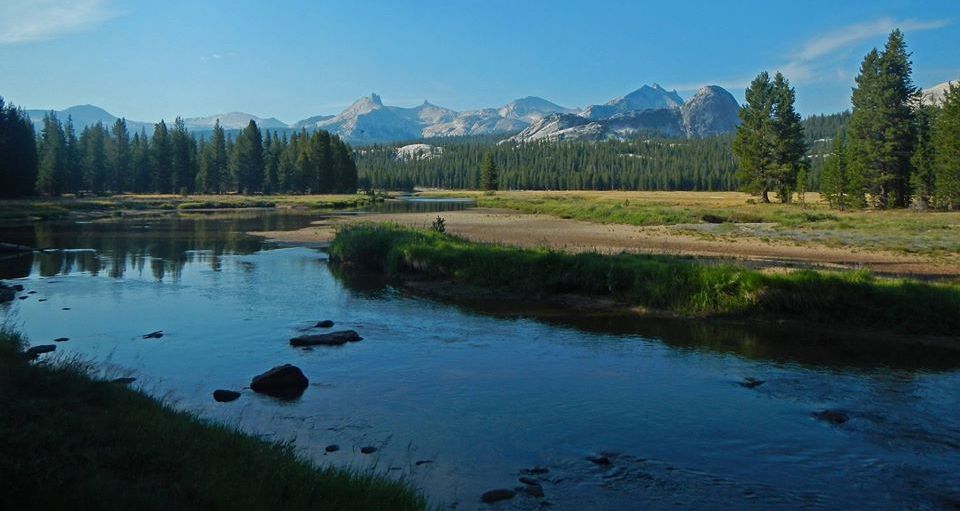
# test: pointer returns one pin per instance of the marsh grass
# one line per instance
(71, 441)
(666, 283)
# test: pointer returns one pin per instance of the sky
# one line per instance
(147, 60)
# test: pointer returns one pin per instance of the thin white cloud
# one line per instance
(850, 35)
(24, 21)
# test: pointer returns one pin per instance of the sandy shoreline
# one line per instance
(532, 230)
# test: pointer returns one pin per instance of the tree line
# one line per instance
(170, 160)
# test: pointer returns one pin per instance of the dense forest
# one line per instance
(170, 160)
(648, 164)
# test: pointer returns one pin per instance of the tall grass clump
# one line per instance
(672, 284)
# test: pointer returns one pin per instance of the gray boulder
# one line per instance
(286, 382)
(331, 339)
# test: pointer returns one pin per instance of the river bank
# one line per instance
(73, 440)
(660, 285)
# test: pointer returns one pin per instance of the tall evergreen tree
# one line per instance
(923, 179)
(18, 152)
(93, 143)
(53, 156)
(489, 177)
(183, 158)
(882, 128)
(141, 162)
(946, 144)
(161, 158)
(754, 144)
(790, 146)
(73, 173)
(120, 157)
(248, 155)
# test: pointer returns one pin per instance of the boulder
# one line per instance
(324, 324)
(497, 495)
(831, 416)
(331, 339)
(154, 335)
(332, 448)
(36, 351)
(225, 396)
(368, 449)
(286, 381)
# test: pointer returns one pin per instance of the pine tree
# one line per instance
(755, 140)
(161, 154)
(93, 144)
(18, 152)
(946, 144)
(882, 125)
(53, 156)
(923, 179)
(248, 154)
(182, 158)
(73, 172)
(119, 157)
(489, 176)
(790, 146)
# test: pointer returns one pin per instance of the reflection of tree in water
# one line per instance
(165, 244)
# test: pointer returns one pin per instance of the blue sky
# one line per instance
(293, 59)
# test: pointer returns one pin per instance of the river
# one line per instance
(459, 398)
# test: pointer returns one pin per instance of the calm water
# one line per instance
(482, 393)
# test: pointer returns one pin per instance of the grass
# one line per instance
(907, 231)
(51, 208)
(71, 441)
(663, 283)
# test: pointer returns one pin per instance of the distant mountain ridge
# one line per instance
(648, 109)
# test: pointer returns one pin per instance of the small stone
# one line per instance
(368, 449)
(530, 481)
(225, 396)
(42, 300)
(831, 416)
(497, 495)
(24, 297)
(324, 324)
(535, 470)
(126, 380)
(154, 335)
(36, 351)
(65, 309)
(61, 339)
(423, 462)
(751, 382)
(601, 460)
(332, 448)
(31, 292)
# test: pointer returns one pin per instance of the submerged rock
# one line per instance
(17, 287)
(497, 495)
(7, 293)
(751, 382)
(154, 335)
(331, 339)
(35, 351)
(332, 448)
(601, 460)
(324, 324)
(533, 490)
(535, 470)
(61, 339)
(286, 381)
(529, 480)
(423, 462)
(126, 380)
(225, 396)
(368, 449)
(831, 416)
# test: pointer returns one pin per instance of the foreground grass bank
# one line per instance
(69, 441)
(733, 215)
(659, 283)
(51, 208)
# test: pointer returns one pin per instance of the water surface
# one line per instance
(480, 394)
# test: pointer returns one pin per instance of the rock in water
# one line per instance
(368, 449)
(286, 382)
(154, 335)
(331, 339)
(225, 396)
(831, 416)
(751, 382)
(36, 351)
(324, 324)
(332, 448)
(497, 495)
(126, 380)
(61, 339)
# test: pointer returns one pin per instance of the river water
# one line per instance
(476, 392)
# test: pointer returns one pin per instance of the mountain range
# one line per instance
(650, 110)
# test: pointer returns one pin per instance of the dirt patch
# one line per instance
(532, 230)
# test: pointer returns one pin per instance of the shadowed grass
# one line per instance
(73, 442)
(664, 283)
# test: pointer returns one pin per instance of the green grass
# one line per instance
(664, 283)
(70, 441)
